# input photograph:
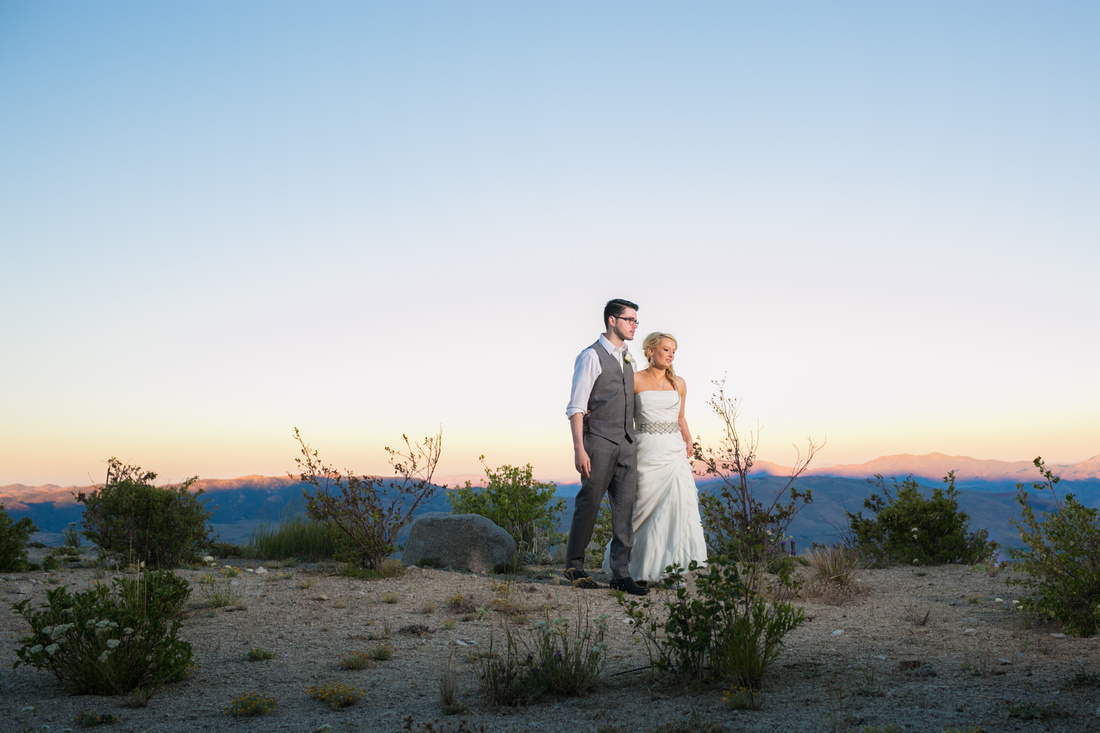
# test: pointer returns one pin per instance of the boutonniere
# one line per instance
(627, 357)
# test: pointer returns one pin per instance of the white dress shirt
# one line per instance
(586, 369)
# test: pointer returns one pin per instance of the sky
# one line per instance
(878, 222)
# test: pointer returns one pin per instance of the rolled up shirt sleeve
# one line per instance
(585, 371)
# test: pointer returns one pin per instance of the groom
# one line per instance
(601, 418)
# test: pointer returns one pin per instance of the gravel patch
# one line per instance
(922, 649)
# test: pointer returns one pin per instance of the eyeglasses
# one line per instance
(628, 320)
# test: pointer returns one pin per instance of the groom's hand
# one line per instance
(582, 463)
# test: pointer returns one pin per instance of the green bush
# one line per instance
(13, 541)
(526, 509)
(728, 629)
(108, 640)
(367, 513)
(909, 528)
(1061, 565)
(131, 517)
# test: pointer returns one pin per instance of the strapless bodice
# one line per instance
(656, 410)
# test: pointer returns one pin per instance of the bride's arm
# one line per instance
(682, 388)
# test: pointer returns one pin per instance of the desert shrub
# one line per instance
(109, 639)
(739, 522)
(13, 541)
(368, 513)
(1061, 563)
(552, 657)
(909, 528)
(526, 509)
(727, 629)
(834, 565)
(129, 516)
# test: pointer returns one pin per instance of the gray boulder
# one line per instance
(460, 541)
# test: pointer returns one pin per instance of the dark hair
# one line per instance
(615, 308)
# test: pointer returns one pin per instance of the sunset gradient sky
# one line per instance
(219, 221)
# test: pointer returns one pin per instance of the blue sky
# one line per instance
(220, 221)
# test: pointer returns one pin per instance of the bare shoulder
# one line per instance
(681, 385)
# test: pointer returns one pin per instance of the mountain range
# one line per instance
(987, 492)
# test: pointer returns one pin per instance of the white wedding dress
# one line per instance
(667, 527)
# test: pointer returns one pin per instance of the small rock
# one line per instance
(1058, 636)
(838, 632)
(322, 597)
(881, 657)
(1098, 712)
(970, 632)
(1005, 661)
(459, 642)
(261, 570)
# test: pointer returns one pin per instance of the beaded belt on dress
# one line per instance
(658, 427)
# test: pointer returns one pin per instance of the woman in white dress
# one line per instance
(667, 527)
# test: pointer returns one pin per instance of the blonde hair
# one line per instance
(652, 341)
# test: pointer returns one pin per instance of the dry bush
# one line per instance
(835, 565)
(834, 574)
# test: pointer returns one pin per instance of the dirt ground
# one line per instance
(925, 649)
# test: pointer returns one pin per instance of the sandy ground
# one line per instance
(925, 649)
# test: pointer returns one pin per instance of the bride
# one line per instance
(667, 528)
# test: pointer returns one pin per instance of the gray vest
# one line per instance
(611, 404)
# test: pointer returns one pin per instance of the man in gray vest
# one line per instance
(601, 417)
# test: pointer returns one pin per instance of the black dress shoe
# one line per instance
(580, 579)
(627, 585)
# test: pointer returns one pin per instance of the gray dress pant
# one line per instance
(614, 471)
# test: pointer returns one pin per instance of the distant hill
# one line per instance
(987, 493)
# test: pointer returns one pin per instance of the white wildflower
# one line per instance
(103, 657)
(52, 648)
(112, 643)
(35, 649)
(60, 629)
